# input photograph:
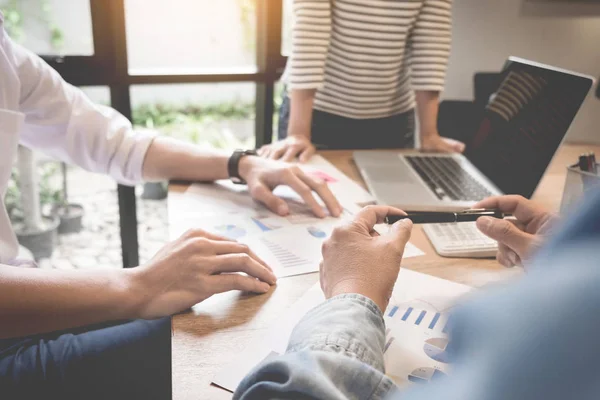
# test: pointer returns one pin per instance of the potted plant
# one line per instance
(154, 191)
(34, 231)
(70, 214)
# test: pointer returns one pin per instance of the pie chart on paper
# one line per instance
(435, 348)
(231, 231)
(316, 232)
(424, 375)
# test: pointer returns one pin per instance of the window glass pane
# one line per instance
(212, 115)
(188, 36)
(98, 94)
(50, 27)
(286, 27)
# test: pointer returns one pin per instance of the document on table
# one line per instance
(341, 186)
(416, 331)
(291, 245)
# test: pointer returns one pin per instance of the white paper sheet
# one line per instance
(412, 251)
(415, 339)
(409, 251)
(291, 245)
(341, 186)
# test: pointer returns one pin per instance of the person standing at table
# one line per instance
(358, 72)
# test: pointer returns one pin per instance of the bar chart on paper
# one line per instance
(431, 326)
(417, 334)
(290, 250)
(283, 255)
(416, 321)
(426, 319)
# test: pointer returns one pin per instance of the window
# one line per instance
(98, 94)
(217, 115)
(201, 70)
(190, 36)
(50, 27)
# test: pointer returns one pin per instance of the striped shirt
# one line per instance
(365, 58)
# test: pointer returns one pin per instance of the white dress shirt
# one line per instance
(42, 112)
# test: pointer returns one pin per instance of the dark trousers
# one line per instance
(131, 360)
(333, 132)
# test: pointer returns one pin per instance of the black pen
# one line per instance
(433, 217)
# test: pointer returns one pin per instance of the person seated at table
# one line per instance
(60, 335)
(356, 73)
(535, 338)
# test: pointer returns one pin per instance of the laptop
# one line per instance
(522, 126)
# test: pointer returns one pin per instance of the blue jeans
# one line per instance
(334, 132)
(131, 360)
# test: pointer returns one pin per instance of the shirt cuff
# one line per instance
(299, 85)
(427, 87)
(349, 324)
(131, 170)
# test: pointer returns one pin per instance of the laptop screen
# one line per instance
(523, 124)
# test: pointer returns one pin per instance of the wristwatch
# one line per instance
(233, 165)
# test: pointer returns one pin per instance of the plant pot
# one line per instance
(71, 217)
(154, 191)
(41, 243)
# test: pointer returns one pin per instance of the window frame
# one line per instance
(109, 67)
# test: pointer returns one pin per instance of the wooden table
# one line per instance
(218, 329)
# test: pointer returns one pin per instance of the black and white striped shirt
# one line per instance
(367, 57)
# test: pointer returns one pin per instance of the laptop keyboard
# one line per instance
(448, 181)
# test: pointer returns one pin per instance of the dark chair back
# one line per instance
(459, 119)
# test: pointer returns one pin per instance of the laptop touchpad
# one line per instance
(390, 174)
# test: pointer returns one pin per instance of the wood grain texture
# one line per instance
(217, 330)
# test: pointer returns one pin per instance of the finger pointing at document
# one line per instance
(263, 176)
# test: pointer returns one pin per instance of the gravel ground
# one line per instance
(98, 245)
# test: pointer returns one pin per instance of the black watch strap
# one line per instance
(233, 165)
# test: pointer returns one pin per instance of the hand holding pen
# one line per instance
(434, 217)
(518, 237)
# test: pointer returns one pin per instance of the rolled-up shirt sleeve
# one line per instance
(357, 331)
(430, 44)
(61, 121)
(335, 352)
(311, 34)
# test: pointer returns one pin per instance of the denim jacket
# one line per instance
(533, 339)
